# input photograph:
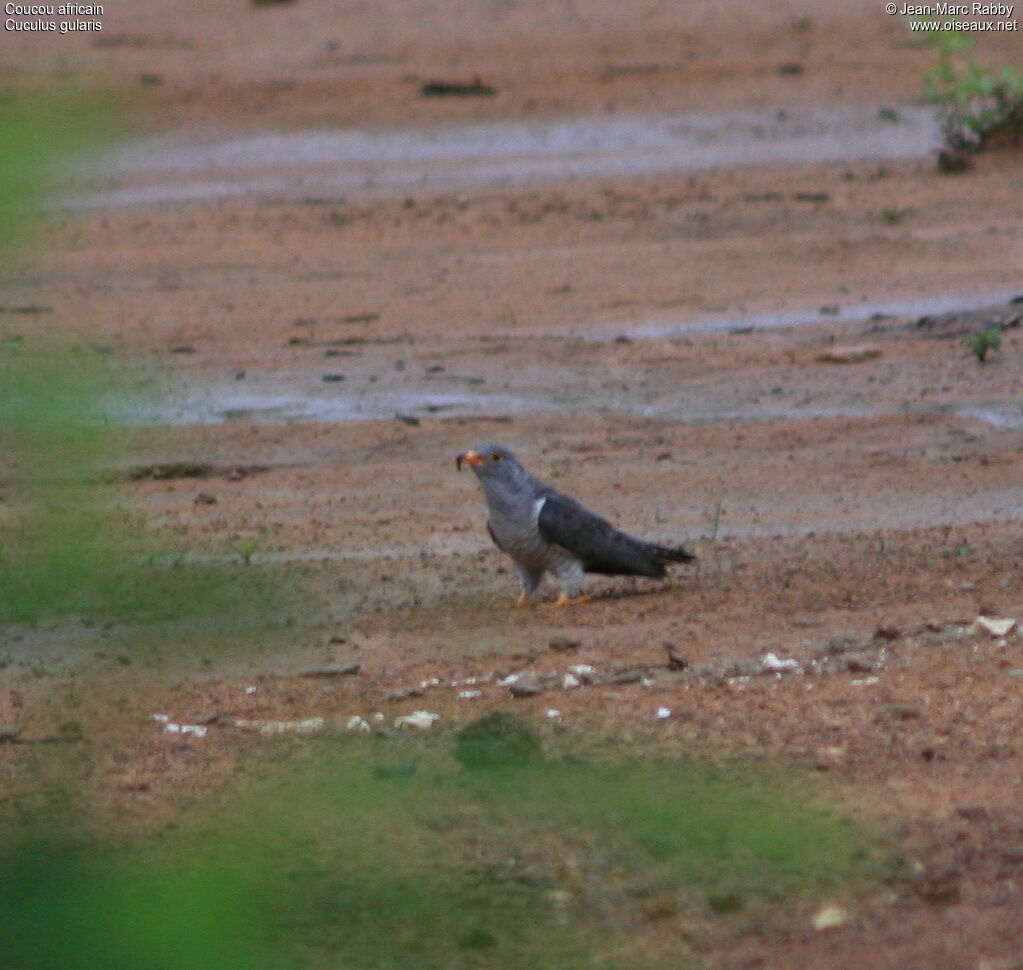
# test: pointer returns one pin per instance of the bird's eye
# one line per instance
(496, 456)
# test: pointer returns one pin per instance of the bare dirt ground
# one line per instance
(852, 516)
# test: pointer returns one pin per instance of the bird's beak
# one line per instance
(472, 457)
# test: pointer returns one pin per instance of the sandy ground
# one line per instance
(850, 483)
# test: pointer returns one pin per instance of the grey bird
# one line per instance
(543, 530)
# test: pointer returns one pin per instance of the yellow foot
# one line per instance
(563, 600)
(524, 599)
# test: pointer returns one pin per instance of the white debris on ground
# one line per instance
(776, 664)
(509, 680)
(830, 917)
(310, 725)
(468, 695)
(417, 721)
(582, 672)
(553, 714)
(865, 682)
(191, 730)
(995, 626)
(663, 713)
(358, 725)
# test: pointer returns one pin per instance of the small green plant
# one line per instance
(973, 102)
(983, 341)
(894, 214)
(247, 548)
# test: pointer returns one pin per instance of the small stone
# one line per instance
(624, 677)
(403, 693)
(332, 670)
(953, 162)
(776, 664)
(995, 626)
(358, 725)
(887, 633)
(468, 695)
(663, 713)
(830, 917)
(857, 663)
(562, 644)
(853, 354)
(899, 712)
(417, 721)
(660, 906)
(525, 688)
(205, 498)
(675, 660)
(310, 725)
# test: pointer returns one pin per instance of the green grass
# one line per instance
(972, 102)
(980, 344)
(380, 854)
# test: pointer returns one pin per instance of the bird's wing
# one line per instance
(599, 545)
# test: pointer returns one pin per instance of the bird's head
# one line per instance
(490, 461)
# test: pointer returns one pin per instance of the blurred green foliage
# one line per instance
(392, 854)
(67, 544)
(972, 102)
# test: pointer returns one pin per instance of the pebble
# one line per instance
(830, 917)
(854, 354)
(417, 721)
(309, 725)
(561, 644)
(194, 730)
(403, 693)
(775, 663)
(525, 688)
(332, 670)
(899, 712)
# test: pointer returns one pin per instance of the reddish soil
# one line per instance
(854, 517)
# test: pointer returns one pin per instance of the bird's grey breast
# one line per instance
(513, 520)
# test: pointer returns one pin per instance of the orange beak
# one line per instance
(472, 457)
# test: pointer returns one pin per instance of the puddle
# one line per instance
(552, 388)
(214, 404)
(332, 163)
(854, 313)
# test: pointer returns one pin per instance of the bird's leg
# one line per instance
(530, 580)
(564, 600)
(570, 577)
